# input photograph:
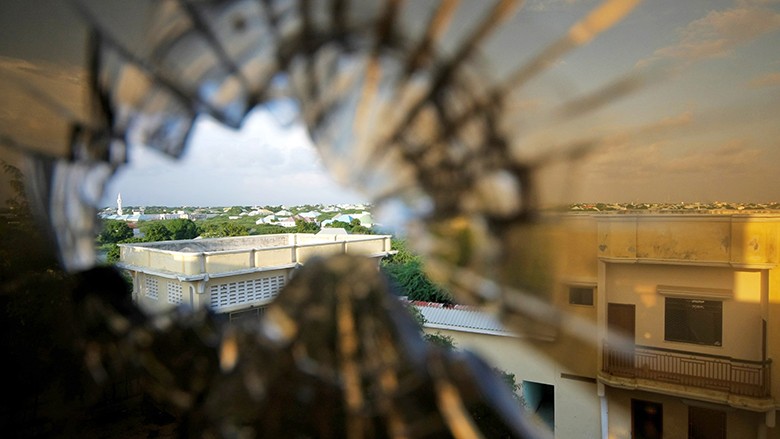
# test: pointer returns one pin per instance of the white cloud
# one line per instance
(719, 32)
(262, 163)
(657, 160)
(768, 80)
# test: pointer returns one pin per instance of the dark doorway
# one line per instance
(704, 423)
(620, 337)
(540, 400)
(647, 419)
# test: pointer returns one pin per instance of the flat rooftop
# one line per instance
(214, 245)
(220, 244)
(242, 254)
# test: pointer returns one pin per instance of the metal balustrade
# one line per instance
(732, 375)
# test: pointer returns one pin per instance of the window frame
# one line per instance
(582, 288)
(679, 310)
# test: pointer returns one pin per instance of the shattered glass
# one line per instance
(402, 102)
(403, 116)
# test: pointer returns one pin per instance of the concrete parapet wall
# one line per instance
(726, 239)
(225, 255)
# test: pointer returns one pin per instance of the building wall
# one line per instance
(243, 291)
(193, 257)
(576, 399)
(773, 328)
(641, 260)
(739, 291)
(739, 423)
(735, 239)
(159, 294)
(239, 263)
(154, 293)
(645, 259)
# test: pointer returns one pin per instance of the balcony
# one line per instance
(713, 372)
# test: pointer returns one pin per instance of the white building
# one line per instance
(230, 275)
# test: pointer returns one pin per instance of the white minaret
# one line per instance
(119, 204)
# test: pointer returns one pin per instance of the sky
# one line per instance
(270, 160)
(704, 128)
(701, 125)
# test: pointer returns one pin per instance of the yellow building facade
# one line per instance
(695, 300)
(674, 320)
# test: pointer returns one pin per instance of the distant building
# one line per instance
(232, 276)
(312, 214)
(288, 222)
(332, 231)
(364, 218)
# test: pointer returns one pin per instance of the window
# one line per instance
(174, 293)
(245, 292)
(152, 288)
(581, 296)
(694, 321)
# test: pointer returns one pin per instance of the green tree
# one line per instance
(354, 227)
(357, 228)
(405, 269)
(112, 254)
(269, 229)
(182, 228)
(302, 226)
(437, 338)
(156, 231)
(440, 340)
(510, 380)
(114, 231)
(340, 225)
(112, 250)
(223, 229)
(413, 282)
(403, 254)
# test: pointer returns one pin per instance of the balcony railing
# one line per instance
(740, 377)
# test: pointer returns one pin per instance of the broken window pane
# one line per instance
(480, 118)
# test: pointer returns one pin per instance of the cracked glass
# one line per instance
(464, 114)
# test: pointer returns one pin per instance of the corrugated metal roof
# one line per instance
(460, 318)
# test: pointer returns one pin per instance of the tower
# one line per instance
(119, 204)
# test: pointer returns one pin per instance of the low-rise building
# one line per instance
(230, 275)
(688, 312)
